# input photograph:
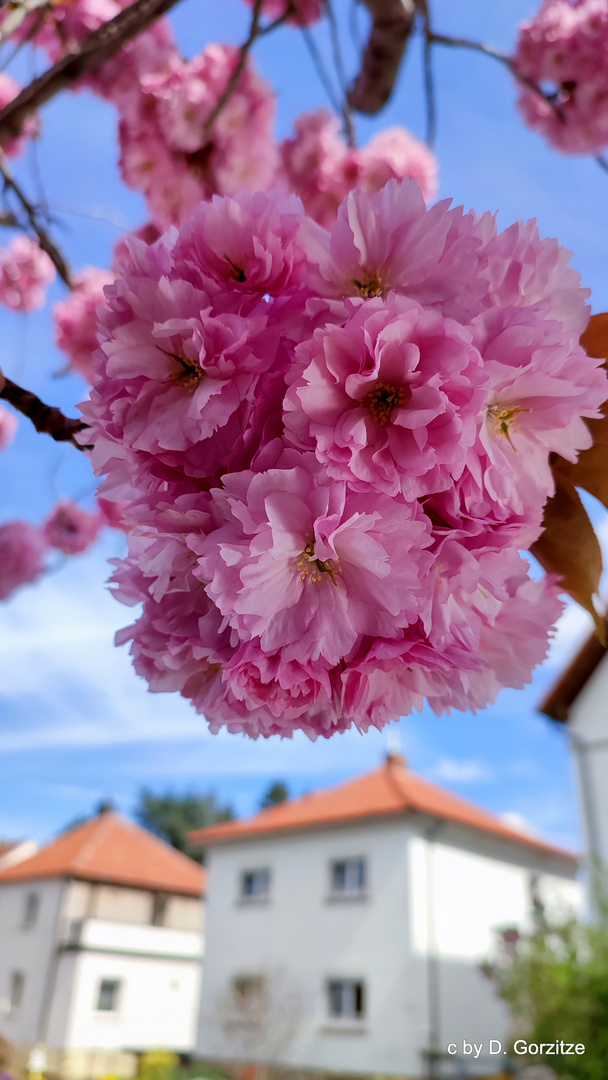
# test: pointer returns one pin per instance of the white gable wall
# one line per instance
(441, 897)
(588, 727)
(28, 950)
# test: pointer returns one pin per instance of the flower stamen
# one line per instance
(502, 417)
(370, 285)
(189, 373)
(383, 399)
(309, 565)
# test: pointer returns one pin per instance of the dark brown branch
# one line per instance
(393, 22)
(46, 418)
(235, 78)
(44, 239)
(93, 50)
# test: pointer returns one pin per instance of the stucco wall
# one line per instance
(425, 899)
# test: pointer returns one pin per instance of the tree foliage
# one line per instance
(555, 981)
(278, 792)
(172, 817)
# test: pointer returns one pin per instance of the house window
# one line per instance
(345, 999)
(348, 877)
(249, 998)
(17, 986)
(107, 998)
(30, 912)
(159, 909)
(255, 884)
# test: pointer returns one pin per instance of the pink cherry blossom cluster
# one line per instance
(26, 272)
(564, 50)
(319, 167)
(328, 448)
(24, 547)
(76, 319)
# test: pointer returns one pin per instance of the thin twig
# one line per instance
(603, 164)
(496, 54)
(93, 50)
(429, 79)
(321, 70)
(46, 418)
(44, 239)
(347, 115)
(239, 67)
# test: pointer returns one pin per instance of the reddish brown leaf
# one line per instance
(569, 548)
(590, 472)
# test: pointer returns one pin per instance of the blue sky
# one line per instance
(76, 724)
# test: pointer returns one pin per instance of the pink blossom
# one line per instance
(389, 400)
(319, 166)
(76, 319)
(30, 128)
(328, 449)
(70, 528)
(563, 48)
(25, 275)
(22, 551)
(390, 241)
(247, 244)
(397, 154)
(308, 567)
(8, 427)
(166, 150)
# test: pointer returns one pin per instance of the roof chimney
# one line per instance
(394, 755)
(106, 806)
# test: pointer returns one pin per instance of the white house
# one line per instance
(101, 941)
(345, 929)
(580, 699)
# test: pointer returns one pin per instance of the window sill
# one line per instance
(252, 901)
(347, 898)
(344, 1027)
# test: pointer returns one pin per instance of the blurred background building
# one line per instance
(346, 930)
(101, 939)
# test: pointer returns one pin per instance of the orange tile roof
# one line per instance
(110, 850)
(390, 791)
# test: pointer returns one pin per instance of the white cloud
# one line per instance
(515, 820)
(452, 771)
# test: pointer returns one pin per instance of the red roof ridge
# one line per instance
(391, 790)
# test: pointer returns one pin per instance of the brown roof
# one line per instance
(389, 791)
(113, 851)
(558, 702)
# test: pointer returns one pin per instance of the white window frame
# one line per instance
(350, 994)
(257, 895)
(31, 910)
(117, 990)
(354, 879)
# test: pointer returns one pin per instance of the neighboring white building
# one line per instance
(14, 851)
(580, 698)
(345, 929)
(101, 941)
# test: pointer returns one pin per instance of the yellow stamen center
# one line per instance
(309, 566)
(501, 418)
(189, 373)
(370, 285)
(383, 399)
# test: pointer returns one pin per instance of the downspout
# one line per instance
(433, 972)
(581, 749)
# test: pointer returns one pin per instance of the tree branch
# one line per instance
(93, 50)
(234, 79)
(46, 418)
(44, 239)
(393, 22)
